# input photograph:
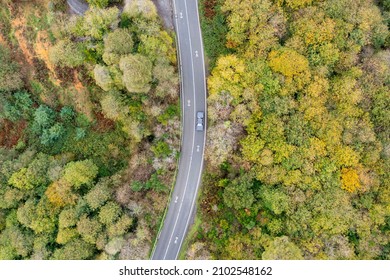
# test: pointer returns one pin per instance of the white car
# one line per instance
(199, 121)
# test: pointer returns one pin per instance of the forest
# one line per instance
(297, 159)
(89, 129)
(298, 145)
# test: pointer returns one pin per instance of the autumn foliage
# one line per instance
(298, 156)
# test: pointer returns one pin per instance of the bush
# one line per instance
(66, 53)
(80, 173)
(119, 42)
(137, 73)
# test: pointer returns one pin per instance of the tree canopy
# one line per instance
(83, 99)
(296, 146)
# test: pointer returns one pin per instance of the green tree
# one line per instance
(89, 228)
(42, 247)
(2, 221)
(144, 7)
(25, 212)
(113, 107)
(154, 183)
(17, 107)
(121, 226)
(67, 114)
(109, 213)
(21, 180)
(102, 77)
(214, 30)
(32, 176)
(98, 3)
(54, 133)
(251, 147)
(156, 45)
(79, 173)
(40, 216)
(275, 200)
(44, 117)
(99, 194)
(65, 235)
(167, 79)
(15, 243)
(66, 53)
(295, 4)
(161, 149)
(238, 193)
(68, 217)
(254, 27)
(98, 22)
(11, 197)
(282, 248)
(137, 73)
(76, 249)
(119, 42)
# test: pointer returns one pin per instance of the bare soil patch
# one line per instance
(19, 24)
(41, 48)
(2, 40)
(10, 132)
(103, 124)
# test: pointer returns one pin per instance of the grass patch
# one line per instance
(35, 24)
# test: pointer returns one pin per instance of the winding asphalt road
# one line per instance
(193, 98)
(181, 208)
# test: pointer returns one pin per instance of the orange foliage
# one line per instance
(60, 194)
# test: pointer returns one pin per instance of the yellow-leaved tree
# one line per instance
(350, 180)
(292, 65)
(227, 75)
(295, 4)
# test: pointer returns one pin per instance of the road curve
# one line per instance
(77, 6)
(193, 99)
